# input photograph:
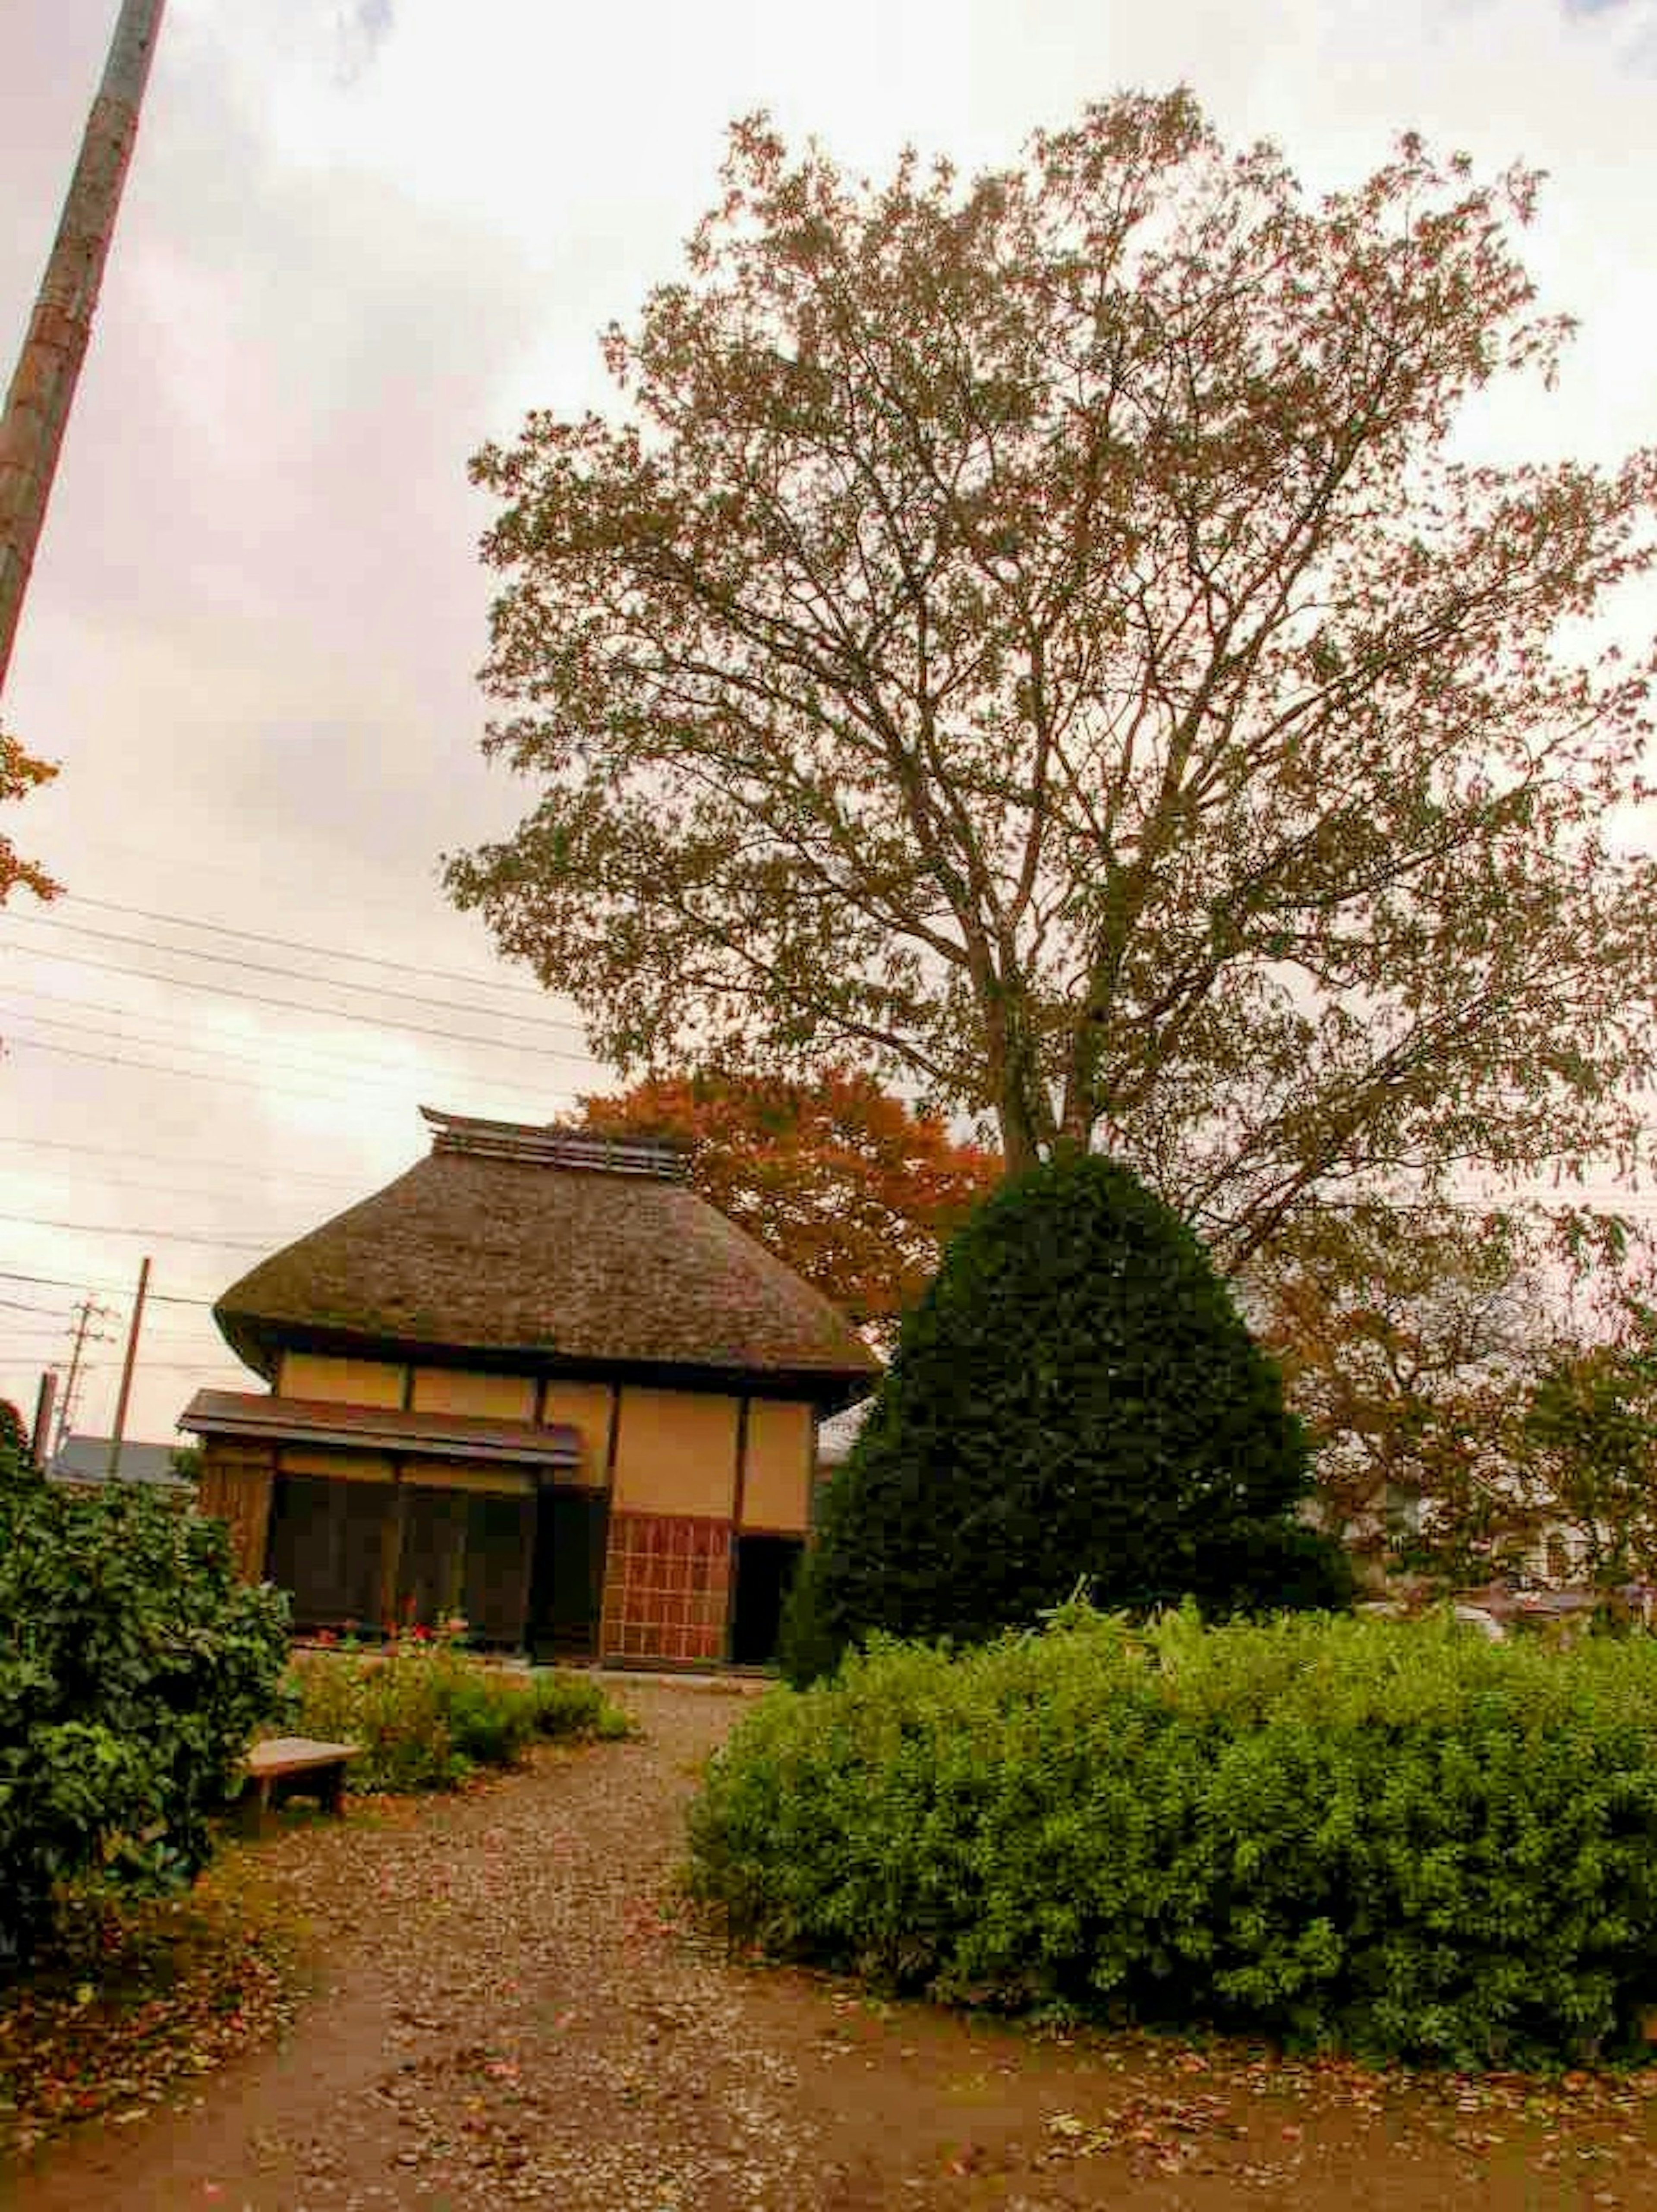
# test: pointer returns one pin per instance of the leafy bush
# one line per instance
(133, 1670)
(1398, 1838)
(427, 1714)
(1075, 1395)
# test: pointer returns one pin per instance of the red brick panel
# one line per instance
(667, 1587)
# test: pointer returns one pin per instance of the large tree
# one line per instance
(852, 1188)
(1042, 633)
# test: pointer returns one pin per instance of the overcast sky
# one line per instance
(360, 237)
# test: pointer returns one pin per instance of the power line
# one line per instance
(170, 1160)
(327, 952)
(177, 1328)
(326, 1064)
(193, 1074)
(114, 1228)
(272, 968)
(114, 1290)
(147, 1189)
(297, 1005)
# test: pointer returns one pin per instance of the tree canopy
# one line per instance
(844, 1182)
(1043, 633)
(1416, 1343)
(1407, 1337)
(1591, 1422)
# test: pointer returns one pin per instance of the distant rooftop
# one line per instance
(86, 1459)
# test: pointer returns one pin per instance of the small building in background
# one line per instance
(84, 1461)
(537, 1382)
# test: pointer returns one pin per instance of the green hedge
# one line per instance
(1397, 1839)
(134, 1667)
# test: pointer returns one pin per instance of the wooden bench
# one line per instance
(293, 1766)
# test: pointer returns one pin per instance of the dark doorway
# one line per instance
(500, 1534)
(466, 1552)
(328, 1544)
(431, 1560)
(765, 1568)
(566, 1589)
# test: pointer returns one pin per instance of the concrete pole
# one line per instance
(40, 1435)
(42, 384)
(85, 1314)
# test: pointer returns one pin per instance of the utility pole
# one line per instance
(43, 384)
(126, 1369)
(85, 1314)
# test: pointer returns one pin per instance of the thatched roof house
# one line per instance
(557, 1250)
(537, 1379)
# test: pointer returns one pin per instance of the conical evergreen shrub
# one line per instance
(1076, 1395)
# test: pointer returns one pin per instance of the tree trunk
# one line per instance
(42, 384)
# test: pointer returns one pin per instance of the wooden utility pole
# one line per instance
(38, 404)
(126, 1370)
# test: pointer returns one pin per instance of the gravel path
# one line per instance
(505, 2017)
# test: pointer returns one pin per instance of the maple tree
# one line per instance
(852, 1188)
(20, 773)
(1406, 1337)
(1466, 1375)
(1047, 635)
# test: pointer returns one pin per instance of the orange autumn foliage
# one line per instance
(19, 775)
(856, 1192)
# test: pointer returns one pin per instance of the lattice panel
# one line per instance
(667, 1587)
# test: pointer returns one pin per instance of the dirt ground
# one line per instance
(505, 2008)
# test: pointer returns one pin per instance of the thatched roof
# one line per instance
(548, 1251)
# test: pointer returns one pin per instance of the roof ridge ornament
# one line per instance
(547, 1143)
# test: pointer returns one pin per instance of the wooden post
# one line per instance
(49, 366)
(739, 1498)
(126, 1370)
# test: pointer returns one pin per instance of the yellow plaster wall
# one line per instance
(777, 1481)
(585, 1407)
(676, 1452)
(459, 1391)
(341, 1382)
(464, 1474)
(340, 1465)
